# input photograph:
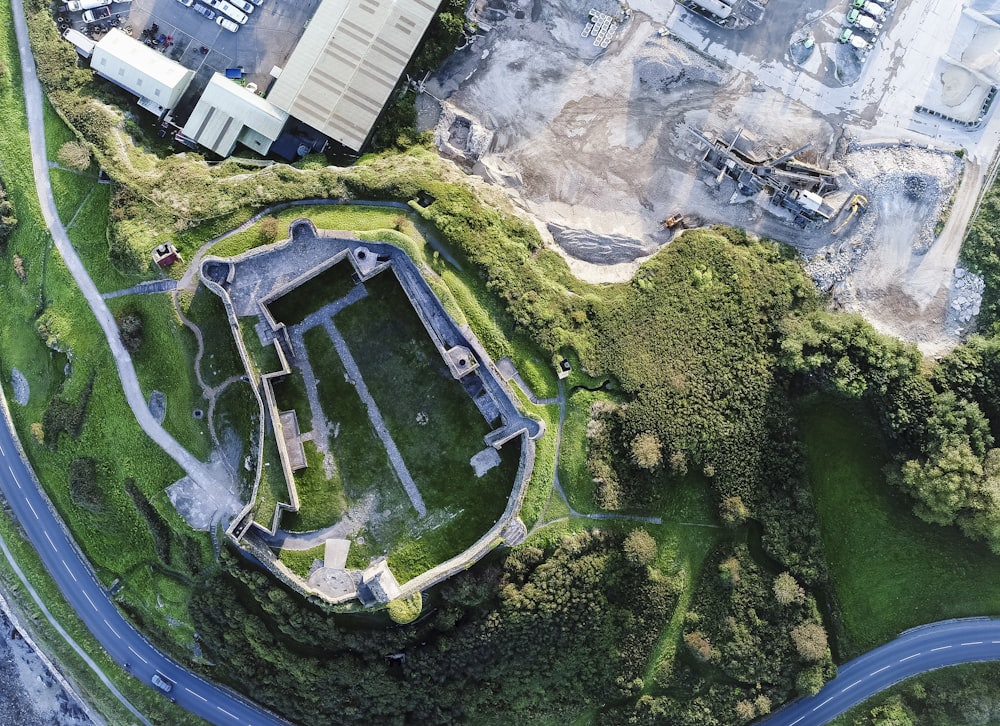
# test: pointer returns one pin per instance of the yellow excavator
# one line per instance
(858, 202)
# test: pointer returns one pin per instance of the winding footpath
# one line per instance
(47, 533)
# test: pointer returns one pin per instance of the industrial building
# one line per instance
(228, 113)
(158, 81)
(347, 63)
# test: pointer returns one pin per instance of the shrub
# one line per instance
(83, 487)
(405, 610)
(640, 547)
(131, 330)
(74, 155)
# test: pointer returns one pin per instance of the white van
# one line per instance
(75, 6)
(226, 9)
(84, 45)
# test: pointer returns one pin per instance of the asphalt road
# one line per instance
(122, 642)
(916, 651)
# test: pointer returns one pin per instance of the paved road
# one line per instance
(916, 651)
(73, 575)
(77, 583)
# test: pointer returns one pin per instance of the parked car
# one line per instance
(90, 16)
(75, 6)
(226, 9)
(202, 10)
(258, 3)
(186, 3)
(242, 5)
(223, 22)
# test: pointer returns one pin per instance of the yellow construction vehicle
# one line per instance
(858, 202)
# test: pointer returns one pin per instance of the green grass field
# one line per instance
(221, 359)
(331, 284)
(163, 363)
(890, 570)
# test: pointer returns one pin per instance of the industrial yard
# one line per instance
(786, 127)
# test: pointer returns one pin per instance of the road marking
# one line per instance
(975, 642)
(817, 708)
(940, 647)
(226, 712)
(111, 628)
(851, 686)
(51, 542)
(137, 655)
(908, 657)
(796, 721)
(995, 642)
(69, 570)
(196, 694)
(875, 673)
(31, 508)
(89, 600)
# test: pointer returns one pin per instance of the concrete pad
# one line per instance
(335, 553)
(485, 460)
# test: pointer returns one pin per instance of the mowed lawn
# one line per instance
(891, 571)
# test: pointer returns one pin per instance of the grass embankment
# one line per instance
(163, 363)
(890, 570)
(301, 561)
(47, 289)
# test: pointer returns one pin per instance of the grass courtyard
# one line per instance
(432, 420)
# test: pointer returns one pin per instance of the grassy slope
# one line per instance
(890, 570)
(21, 348)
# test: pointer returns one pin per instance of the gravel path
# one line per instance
(376, 417)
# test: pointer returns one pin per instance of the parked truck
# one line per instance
(855, 41)
(867, 6)
(75, 6)
(865, 22)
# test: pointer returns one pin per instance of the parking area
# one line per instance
(266, 40)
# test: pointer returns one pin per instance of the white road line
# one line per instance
(137, 655)
(817, 708)
(111, 628)
(69, 570)
(196, 694)
(11, 470)
(226, 712)
(847, 688)
(940, 647)
(31, 508)
(796, 721)
(89, 600)
(975, 642)
(995, 642)
(908, 657)
(51, 542)
(875, 673)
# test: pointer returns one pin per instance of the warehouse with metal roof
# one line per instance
(228, 113)
(158, 81)
(347, 63)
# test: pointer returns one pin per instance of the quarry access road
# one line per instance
(922, 649)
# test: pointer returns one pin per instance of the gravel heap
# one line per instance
(964, 299)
